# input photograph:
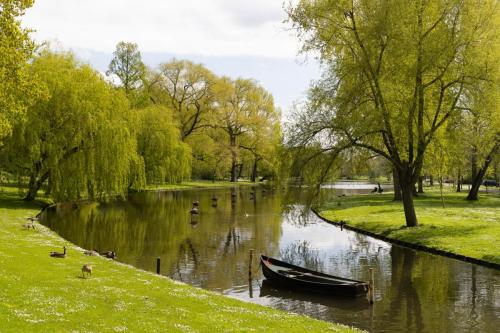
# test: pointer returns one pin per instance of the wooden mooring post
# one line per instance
(250, 265)
(158, 265)
(371, 290)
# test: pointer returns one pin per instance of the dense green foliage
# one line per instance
(84, 137)
(394, 75)
(78, 138)
(17, 89)
(72, 132)
(166, 158)
(228, 123)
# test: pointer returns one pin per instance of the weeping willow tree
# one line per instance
(77, 140)
(166, 157)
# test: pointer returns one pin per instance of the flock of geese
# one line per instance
(86, 268)
(195, 210)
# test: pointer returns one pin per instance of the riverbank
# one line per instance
(199, 184)
(463, 229)
(44, 294)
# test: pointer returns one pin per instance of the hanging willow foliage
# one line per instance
(166, 157)
(79, 138)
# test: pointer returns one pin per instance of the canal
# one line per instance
(415, 291)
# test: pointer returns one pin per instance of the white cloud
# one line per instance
(216, 27)
(239, 38)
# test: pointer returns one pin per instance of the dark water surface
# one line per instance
(415, 291)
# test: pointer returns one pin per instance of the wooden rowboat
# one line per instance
(290, 276)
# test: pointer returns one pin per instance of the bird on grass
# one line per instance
(29, 225)
(109, 254)
(56, 254)
(86, 269)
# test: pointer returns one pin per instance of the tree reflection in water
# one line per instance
(415, 291)
(302, 254)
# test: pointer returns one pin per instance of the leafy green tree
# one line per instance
(17, 88)
(484, 129)
(166, 157)
(77, 140)
(393, 76)
(211, 158)
(127, 65)
(262, 142)
(185, 87)
(242, 107)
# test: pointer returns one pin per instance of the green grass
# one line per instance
(468, 228)
(43, 294)
(199, 184)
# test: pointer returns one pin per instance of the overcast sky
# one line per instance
(231, 37)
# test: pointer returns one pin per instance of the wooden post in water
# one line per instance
(250, 265)
(371, 290)
(158, 265)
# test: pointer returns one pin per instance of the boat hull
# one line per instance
(307, 280)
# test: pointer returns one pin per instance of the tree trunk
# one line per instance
(474, 189)
(240, 170)
(420, 184)
(478, 179)
(473, 162)
(495, 171)
(233, 158)
(431, 180)
(34, 185)
(407, 188)
(397, 187)
(459, 181)
(441, 189)
(32, 190)
(253, 177)
(233, 171)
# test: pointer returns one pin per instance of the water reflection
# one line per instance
(415, 292)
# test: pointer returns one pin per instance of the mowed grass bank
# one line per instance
(467, 228)
(43, 294)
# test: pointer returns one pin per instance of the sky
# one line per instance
(238, 38)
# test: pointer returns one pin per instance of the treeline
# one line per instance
(76, 133)
(231, 126)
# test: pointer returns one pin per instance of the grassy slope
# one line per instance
(468, 228)
(43, 294)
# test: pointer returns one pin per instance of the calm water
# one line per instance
(415, 292)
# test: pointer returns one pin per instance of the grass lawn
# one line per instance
(43, 294)
(199, 184)
(468, 228)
